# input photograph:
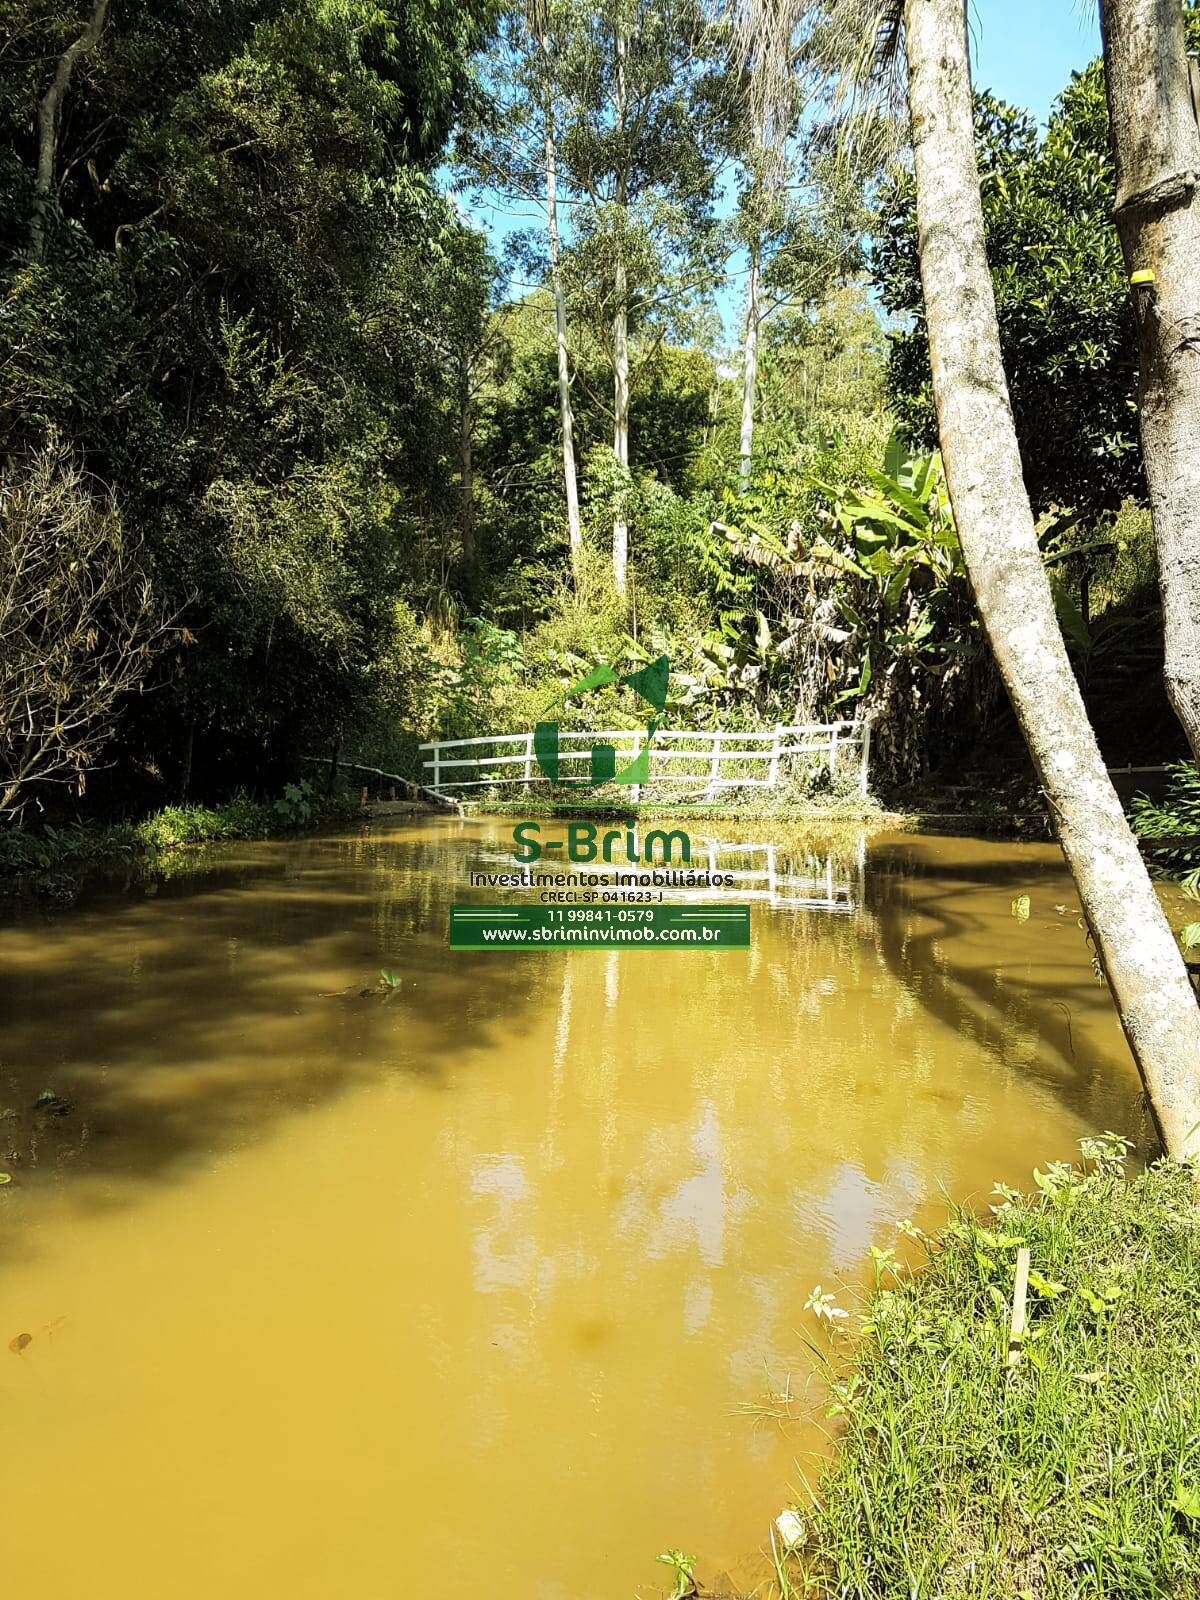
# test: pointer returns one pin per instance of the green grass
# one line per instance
(56, 861)
(1078, 1474)
(799, 802)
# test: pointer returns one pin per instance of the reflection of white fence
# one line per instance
(707, 762)
(819, 881)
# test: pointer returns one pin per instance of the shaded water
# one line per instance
(473, 1290)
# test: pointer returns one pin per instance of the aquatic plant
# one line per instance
(683, 1566)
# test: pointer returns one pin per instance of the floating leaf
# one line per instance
(1020, 908)
(5, 1177)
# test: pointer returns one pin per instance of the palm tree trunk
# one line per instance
(570, 481)
(1156, 149)
(1143, 964)
(749, 369)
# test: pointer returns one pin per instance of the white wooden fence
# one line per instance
(702, 761)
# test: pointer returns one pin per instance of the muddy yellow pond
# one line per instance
(491, 1283)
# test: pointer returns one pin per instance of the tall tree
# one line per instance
(541, 24)
(1143, 965)
(513, 150)
(640, 109)
(749, 366)
(1156, 147)
(802, 218)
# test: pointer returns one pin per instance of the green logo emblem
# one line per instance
(649, 684)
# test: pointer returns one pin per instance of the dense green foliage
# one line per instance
(232, 329)
(1061, 298)
(1078, 1472)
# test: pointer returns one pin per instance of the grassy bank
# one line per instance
(1075, 1474)
(742, 806)
(57, 861)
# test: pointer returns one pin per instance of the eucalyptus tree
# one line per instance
(802, 212)
(642, 136)
(996, 529)
(513, 149)
(1156, 148)
(802, 217)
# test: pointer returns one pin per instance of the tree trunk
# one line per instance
(621, 425)
(466, 475)
(1156, 150)
(1143, 964)
(49, 112)
(185, 777)
(574, 534)
(621, 341)
(749, 369)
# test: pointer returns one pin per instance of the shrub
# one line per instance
(1170, 825)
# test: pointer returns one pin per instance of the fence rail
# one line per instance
(721, 759)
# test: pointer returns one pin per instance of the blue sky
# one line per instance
(1024, 51)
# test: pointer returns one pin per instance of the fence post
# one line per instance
(714, 771)
(833, 749)
(437, 769)
(773, 775)
(528, 760)
(865, 758)
(637, 750)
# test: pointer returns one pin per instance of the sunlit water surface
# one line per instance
(482, 1288)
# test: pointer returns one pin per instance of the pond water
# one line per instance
(483, 1287)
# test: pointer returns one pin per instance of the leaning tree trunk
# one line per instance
(1144, 966)
(49, 112)
(1156, 149)
(570, 480)
(749, 369)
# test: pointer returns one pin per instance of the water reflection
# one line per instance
(363, 1293)
(794, 873)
